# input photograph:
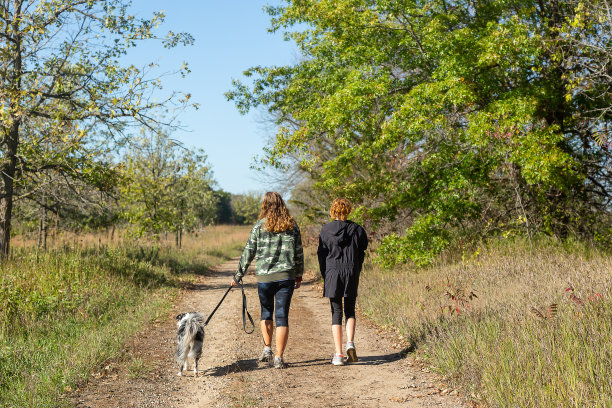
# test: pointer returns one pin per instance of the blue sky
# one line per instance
(230, 36)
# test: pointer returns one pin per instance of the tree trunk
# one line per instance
(42, 227)
(56, 229)
(6, 212)
(9, 153)
(7, 174)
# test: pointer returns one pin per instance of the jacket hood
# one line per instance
(338, 232)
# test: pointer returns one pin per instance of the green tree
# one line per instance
(225, 213)
(446, 120)
(193, 198)
(60, 201)
(62, 80)
(167, 187)
(76, 180)
(246, 207)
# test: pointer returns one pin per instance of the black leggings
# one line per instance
(336, 308)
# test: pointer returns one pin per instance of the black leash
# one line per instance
(217, 307)
(245, 312)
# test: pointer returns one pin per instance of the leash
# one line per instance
(245, 312)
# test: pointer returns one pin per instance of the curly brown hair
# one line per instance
(274, 210)
(340, 209)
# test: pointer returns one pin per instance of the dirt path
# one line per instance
(232, 378)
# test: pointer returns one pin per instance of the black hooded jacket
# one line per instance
(341, 247)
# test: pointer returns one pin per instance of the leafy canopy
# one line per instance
(446, 120)
(166, 187)
(67, 95)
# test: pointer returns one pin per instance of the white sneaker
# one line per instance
(337, 359)
(266, 356)
(351, 352)
(279, 362)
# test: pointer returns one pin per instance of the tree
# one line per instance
(194, 201)
(225, 213)
(167, 187)
(61, 79)
(66, 202)
(246, 207)
(75, 180)
(446, 120)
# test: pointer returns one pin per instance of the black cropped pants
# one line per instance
(336, 308)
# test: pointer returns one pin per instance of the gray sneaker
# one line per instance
(279, 362)
(351, 353)
(337, 359)
(266, 356)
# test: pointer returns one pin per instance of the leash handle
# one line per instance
(245, 311)
(217, 307)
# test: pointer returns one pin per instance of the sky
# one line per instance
(230, 36)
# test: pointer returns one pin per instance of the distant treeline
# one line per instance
(158, 186)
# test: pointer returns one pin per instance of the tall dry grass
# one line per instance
(209, 237)
(514, 327)
(66, 310)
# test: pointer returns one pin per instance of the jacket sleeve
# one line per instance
(322, 252)
(247, 254)
(298, 256)
(362, 239)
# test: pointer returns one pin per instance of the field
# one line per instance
(66, 311)
(512, 326)
(507, 324)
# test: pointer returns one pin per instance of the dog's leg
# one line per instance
(195, 368)
(182, 367)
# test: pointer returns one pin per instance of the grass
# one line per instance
(138, 368)
(67, 311)
(512, 326)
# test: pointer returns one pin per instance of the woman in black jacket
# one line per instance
(342, 245)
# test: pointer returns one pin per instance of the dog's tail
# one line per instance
(193, 325)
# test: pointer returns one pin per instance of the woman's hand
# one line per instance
(234, 283)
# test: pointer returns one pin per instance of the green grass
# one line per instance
(66, 312)
(494, 345)
(138, 368)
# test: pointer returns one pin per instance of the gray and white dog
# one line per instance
(189, 338)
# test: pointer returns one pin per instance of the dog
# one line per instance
(190, 337)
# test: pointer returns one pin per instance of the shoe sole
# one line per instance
(280, 366)
(352, 355)
(267, 361)
(337, 362)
